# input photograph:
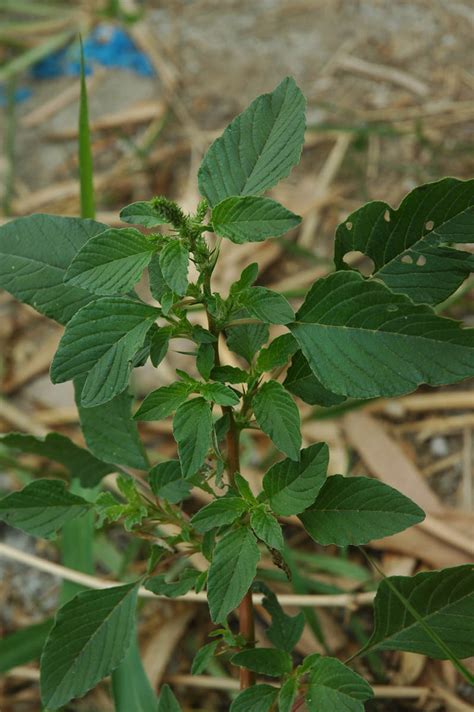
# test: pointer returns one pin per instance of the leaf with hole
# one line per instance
(444, 600)
(232, 570)
(35, 252)
(89, 639)
(354, 510)
(362, 340)
(42, 508)
(279, 418)
(100, 341)
(410, 246)
(333, 686)
(112, 262)
(259, 147)
(192, 430)
(252, 219)
(291, 487)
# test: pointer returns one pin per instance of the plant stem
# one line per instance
(246, 614)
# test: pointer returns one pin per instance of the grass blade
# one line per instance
(86, 174)
(23, 646)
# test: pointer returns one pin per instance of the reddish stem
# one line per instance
(246, 614)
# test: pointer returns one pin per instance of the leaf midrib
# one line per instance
(96, 632)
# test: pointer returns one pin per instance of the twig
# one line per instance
(403, 692)
(428, 401)
(341, 600)
(19, 419)
(382, 71)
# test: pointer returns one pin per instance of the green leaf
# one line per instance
(266, 528)
(287, 695)
(161, 403)
(333, 686)
(259, 147)
(233, 568)
(143, 212)
(77, 461)
(223, 510)
(101, 340)
(278, 353)
(270, 307)
(158, 286)
(265, 661)
(292, 487)
(159, 345)
(354, 510)
(192, 430)
(244, 489)
(443, 600)
(167, 482)
(130, 684)
(167, 702)
(174, 258)
(218, 393)
(109, 431)
(160, 585)
(284, 631)
(42, 507)
(35, 252)
(111, 262)
(24, 645)
(205, 358)
(252, 219)
(247, 278)
(89, 639)
(246, 340)
(393, 344)
(258, 698)
(301, 381)
(229, 374)
(279, 418)
(203, 657)
(410, 247)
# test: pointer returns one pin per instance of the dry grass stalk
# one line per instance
(384, 73)
(306, 601)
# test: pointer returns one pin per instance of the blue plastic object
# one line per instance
(107, 45)
(21, 94)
